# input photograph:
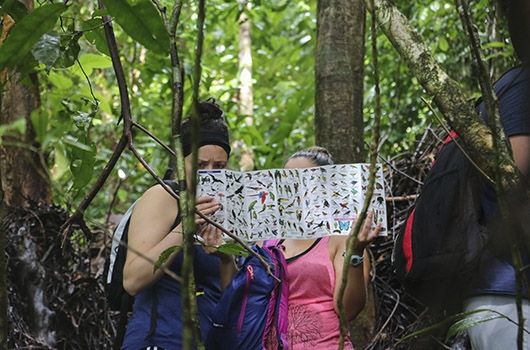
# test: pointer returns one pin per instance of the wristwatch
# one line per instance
(355, 260)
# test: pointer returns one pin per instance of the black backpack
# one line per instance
(443, 237)
(117, 298)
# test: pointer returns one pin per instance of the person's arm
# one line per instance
(521, 152)
(354, 297)
(213, 237)
(151, 221)
(228, 269)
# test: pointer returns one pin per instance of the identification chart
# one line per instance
(293, 203)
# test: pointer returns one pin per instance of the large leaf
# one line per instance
(27, 32)
(91, 61)
(82, 156)
(61, 163)
(142, 22)
(82, 168)
(47, 49)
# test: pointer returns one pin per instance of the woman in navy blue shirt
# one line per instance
(156, 322)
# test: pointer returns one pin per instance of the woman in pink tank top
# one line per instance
(314, 270)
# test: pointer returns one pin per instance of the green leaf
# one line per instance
(27, 32)
(69, 49)
(39, 119)
(165, 255)
(443, 323)
(141, 22)
(494, 45)
(61, 163)
(94, 33)
(83, 120)
(443, 44)
(48, 49)
(82, 167)
(232, 249)
(90, 62)
(14, 8)
(468, 322)
(60, 80)
(72, 141)
(18, 126)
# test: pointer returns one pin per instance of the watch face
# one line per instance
(356, 260)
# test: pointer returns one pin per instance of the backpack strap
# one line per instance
(452, 135)
(126, 301)
(154, 312)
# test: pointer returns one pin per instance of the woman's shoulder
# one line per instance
(157, 192)
(156, 198)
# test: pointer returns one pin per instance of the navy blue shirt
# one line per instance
(496, 274)
(168, 330)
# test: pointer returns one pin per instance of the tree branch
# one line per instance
(448, 95)
(120, 77)
(156, 139)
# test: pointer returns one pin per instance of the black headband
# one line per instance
(207, 138)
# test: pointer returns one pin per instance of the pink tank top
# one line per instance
(313, 322)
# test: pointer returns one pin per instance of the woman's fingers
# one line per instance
(367, 234)
(206, 206)
(373, 233)
(203, 199)
(367, 225)
(212, 237)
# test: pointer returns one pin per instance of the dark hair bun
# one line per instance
(209, 110)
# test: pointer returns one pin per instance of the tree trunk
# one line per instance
(359, 12)
(3, 277)
(24, 177)
(339, 119)
(339, 76)
(245, 96)
(24, 184)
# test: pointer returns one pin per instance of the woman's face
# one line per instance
(209, 157)
(299, 162)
